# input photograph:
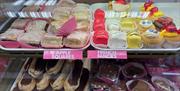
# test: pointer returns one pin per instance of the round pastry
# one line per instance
(134, 40)
(163, 84)
(43, 82)
(26, 83)
(145, 24)
(152, 39)
(134, 70)
(172, 39)
(139, 85)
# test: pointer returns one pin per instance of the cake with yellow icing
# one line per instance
(134, 40)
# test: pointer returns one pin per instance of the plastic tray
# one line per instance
(7, 24)
(170, 9)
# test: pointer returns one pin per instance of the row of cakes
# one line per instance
(54, 75)
(152, 30)
(66, 28)
(131, 76)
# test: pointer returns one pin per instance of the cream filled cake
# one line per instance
(117, 40)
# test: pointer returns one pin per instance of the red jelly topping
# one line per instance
(99, 14)
(98, 27)
(121, 1)
(171, 28)
(100, 37)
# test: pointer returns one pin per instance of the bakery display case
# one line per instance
(96, 45)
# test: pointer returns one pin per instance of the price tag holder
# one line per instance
(107, 54)
(63, 54)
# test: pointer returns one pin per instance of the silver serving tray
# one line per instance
(170, 9)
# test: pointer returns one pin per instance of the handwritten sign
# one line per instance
(107, 54)
(63, 54)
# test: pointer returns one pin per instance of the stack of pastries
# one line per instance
(54, 75)
(52, 32)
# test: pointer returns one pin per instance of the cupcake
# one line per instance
(134, 70)
(139, 85)
(37, 67)
(172, 39)
(120, 5)
(26, 83)
(58, 80)
(73, 80)
(117, 40)
(152, 39)
(53, 67)
(134, 40)
(145, 25)
(43, 82)
(163, 84)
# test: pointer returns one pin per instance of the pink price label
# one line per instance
(94, 54)
(63, 54)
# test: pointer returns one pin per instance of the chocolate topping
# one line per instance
(40, 65)
(132, 71)
(109, 71)
(139, 86)
(51, 64)
(76, 73)
(26, 79)
(83, 80)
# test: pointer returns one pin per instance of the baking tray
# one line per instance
(170, 9)
(8, 23)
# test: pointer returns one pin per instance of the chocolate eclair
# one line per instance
(84, 80)
(73, 80)
(43, 82)
(26, 83)
(53, 67)
(37, 67)
(58, 82)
